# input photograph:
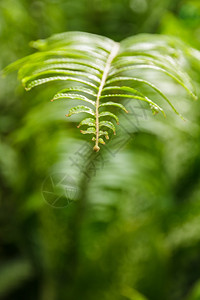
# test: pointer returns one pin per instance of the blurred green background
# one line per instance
(129, 228)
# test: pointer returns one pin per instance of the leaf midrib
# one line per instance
(112, 55)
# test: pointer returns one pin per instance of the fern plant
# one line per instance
(101, 72)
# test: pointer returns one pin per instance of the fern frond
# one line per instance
(97, 70)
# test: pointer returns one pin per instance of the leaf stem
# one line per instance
(111, 56)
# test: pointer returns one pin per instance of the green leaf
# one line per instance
(67, 66)
(128, 68)
(104, 133)
(108, 124)
(163, 61)
(101, 141)
(90, 130)
(114, 104)
(122, 89)
(79, 89)
(80, 109)
(72, 96)
(118, 79)
(89, 67)
(83, 62)
(87, 121)
(152, 104)
(109, 114)
(60, 72)
(37, 82)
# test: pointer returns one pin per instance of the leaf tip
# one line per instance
(182, 118)
(195, 97)
(96, 148)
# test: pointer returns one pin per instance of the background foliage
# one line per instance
(134, 233)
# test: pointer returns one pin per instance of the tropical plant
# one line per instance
(97, 70)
